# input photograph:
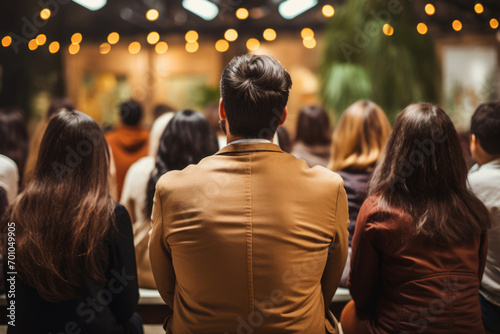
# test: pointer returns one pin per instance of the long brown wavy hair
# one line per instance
(423, 172)
(65, 212)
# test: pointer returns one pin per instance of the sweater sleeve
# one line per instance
(122, 270)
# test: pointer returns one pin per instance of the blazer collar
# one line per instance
(249, 147)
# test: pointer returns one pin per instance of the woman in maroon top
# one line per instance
(419, 247)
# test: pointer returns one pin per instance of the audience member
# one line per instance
(72, 241)
(234, 245)
(56, 105)
(419, 248)
(284, 139)
(357, 143)
(161, 109)
(484, 180)
(14, 142)
(128, 142)
(312, 140)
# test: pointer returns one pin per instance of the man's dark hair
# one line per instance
(130, 113)
(485, 125)
(254, 91)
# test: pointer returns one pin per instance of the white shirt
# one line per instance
(9, 177)
(484, 181)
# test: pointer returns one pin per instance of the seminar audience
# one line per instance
(357, 143)
(55, 106)
(14, 138)
(74, 245)
(419, 247)
(312, 140)
(484, 180)
(235, 246)
(128, 142)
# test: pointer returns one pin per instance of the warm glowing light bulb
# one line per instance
(134, 48)
(161, 48)
(104, 48)
(242, 13)
(388, 30)
(307, 33)
(113, 38)
(191, 36)
(54, 47)
(222, 45)
(45, 14)
(479, 8)
(430, 9)
(231, 35)
(32, 45)
(309, 43)
(76, 38)
(153, 37)
(422, 28)
(6, 41)
(152, 15)
(192, 47)
(457, 25)
(269, 34)
(494, 23)
(328, 10)
(74, 48)
(41, 39)
(253, 44)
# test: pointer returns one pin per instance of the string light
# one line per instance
(33, 45)
(494, 23)
(328, 10)
(457, 25)
(74, 48)
(152, 15)
(253, 44)
(161, 48)
(153, 37)
(191, 36)
(113, 38)
(422, 28)
(269, 34)
(430, 9)
(307, 33)
(222, 45)
(6, 41)
(104, 48)
(54, 47)
(242, 13)
(388, 30)
(309, 43)
(479, 8)
(41, 39)
(192, 47)
(45, 14)
(231, 35)
(76, 38)
(134, 48)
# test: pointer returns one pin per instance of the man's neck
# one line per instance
(487, 158)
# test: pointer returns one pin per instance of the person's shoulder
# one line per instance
(120, 212)
(141, 166)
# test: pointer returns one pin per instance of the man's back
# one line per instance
(240, 242)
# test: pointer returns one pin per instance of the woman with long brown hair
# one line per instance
(75, 258)
(419, 248)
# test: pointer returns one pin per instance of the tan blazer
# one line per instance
(249, 238)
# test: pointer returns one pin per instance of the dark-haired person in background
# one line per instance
(313, 137)
(128, 142)
(75, 258)
(56, 105)
(235, 244)
(14, 137)
(484, 180)
(419, 247)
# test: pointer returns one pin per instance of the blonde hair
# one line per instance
(359, 137)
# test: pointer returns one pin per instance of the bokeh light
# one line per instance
(430, 9)
(253, 44)
(153, 37)
(76, 38)
(41, 39)
(328, 10)
(242, 13)
(45, 14)
(191, 36)
(104, 48)
(152, 15)
(457, 25)
(269, 34)
(388, 30)
(6, 41)
(134, 48)
(222, 45)
(161, 48)
(231, 35)
(192, 47)
(74, 49)
(422, 28)
(54, 47)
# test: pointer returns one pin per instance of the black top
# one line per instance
(355, 184)
(102, 308)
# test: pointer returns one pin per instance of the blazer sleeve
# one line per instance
(337, 253)
(365, 261)
(159, 251)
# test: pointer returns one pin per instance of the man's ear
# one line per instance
(222, 111)
(283, 117)
(473, 143)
